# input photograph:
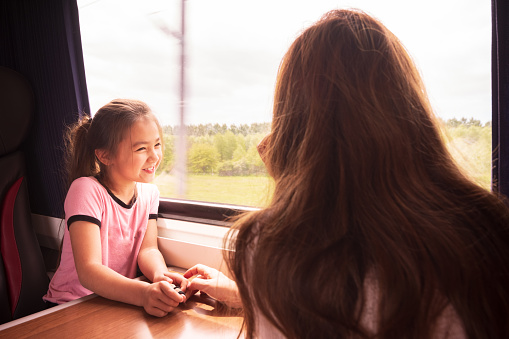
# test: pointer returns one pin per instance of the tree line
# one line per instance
(218, 149)
(213, 129)
(464, 122)
(230, 150)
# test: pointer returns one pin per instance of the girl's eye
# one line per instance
(140, 149)
(158, 144)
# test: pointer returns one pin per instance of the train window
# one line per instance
(232, 52)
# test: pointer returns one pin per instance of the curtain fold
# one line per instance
(500, 96)
(42, 40)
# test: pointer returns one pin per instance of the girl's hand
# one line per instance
(162, 276)
(172, 278)
(213, 283)
(160, 298)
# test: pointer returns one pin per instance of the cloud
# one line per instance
(234, 49)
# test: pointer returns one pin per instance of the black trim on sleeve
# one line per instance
(152, 216)
(80, 217)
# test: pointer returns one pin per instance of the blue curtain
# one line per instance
(41, 40)
(500, 95)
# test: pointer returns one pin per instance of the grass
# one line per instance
(247, 191)
(471, 148)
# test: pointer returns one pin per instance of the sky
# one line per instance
(234, 47)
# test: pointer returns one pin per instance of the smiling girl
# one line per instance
(111, 212)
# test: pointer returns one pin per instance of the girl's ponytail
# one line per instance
(80, 157)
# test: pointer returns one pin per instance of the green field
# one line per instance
(247, 190)
(471, 148)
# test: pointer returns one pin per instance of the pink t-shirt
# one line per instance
(122, 230)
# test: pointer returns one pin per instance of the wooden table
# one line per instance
(96, 317)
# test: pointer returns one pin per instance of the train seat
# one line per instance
(23, 278)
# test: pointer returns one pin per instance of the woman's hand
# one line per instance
(172, 278)
(160, 298)
(213, 283)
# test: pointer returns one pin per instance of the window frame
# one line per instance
(202, 212)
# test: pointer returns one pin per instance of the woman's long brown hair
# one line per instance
(364, 183)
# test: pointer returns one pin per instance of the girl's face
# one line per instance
(138, 155)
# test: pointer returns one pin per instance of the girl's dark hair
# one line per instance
(365, 185)
(105, 131)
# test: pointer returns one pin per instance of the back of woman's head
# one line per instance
(347, 90)
(104, 131)
(363, 183)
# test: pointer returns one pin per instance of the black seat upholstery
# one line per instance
(23, 278)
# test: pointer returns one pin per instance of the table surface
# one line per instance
(97, 317)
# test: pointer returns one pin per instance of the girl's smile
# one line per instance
(150, 169)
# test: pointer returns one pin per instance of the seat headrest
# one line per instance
(16, 109)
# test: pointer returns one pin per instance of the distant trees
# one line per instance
(168, 153)
(464, 122)
(231, 150)
(218, 149)
(203, 158)
(213, 129)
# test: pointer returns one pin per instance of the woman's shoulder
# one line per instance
(449, 325)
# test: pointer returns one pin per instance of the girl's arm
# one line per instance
(158, 299)
(151, 261)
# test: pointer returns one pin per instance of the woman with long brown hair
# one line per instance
(372, 230)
